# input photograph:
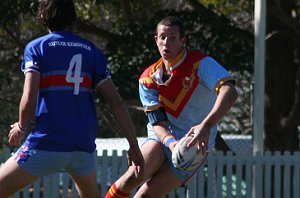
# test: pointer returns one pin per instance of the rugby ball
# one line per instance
(186, 159)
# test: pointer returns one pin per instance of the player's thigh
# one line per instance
(87, 185)
(163, 182)
(153, 156)
(13, 177)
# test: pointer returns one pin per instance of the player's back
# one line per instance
(69, 67)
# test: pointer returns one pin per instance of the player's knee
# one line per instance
(132, 179)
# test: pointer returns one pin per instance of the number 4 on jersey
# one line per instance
(75, 76)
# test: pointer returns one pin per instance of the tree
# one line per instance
(282, 76)
(124, 30)
(282, 95)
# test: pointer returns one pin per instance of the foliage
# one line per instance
(124, 30)
(229, 7)
(232, 47)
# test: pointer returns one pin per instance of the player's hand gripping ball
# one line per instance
(184, 158)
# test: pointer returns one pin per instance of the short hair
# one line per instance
(56, 14)
(172, 21)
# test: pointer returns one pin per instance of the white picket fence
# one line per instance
(232, 175)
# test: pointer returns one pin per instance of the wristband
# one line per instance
(165, 137)
(169, 141)
(21, 129)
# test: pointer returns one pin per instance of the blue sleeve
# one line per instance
(149, 98)
(31, 59)
(211, 73)
(101, 70)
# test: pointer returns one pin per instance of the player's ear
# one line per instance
(155, 38)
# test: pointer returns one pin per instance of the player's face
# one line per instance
(169, 41)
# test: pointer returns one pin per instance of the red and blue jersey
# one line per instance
(69, 67)
(188, 95)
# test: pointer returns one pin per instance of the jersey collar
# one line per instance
(158, 74)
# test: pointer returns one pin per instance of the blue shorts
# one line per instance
(43, 163)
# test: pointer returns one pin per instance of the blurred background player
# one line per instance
(184, 93)
(61, 69)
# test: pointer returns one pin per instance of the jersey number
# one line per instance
(75, 76)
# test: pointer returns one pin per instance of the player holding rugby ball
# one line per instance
(184, 93)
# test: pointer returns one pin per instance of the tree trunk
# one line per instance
(281, 73)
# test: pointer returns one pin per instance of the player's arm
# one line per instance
(226, 98)
(122, 117)
(26, 109)
(215, 77)
(164, 135)
(157, 119)
(156, 115)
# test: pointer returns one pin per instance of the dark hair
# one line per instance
(172, 21)
(56, 14)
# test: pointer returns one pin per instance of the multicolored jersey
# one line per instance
(187, 96)
(69, 67)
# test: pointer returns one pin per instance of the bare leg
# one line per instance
(163, 182)
(13, 178)
(154, 158)
(87, 185)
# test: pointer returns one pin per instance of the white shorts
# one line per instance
(183, 176)
(43, 163)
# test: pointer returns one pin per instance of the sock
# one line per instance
(114, 192)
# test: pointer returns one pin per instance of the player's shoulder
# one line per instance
(194, 55)
(53, 38)
(145, 77)
(147, 72)
(38, 41)
(210, 62)
(202, 58)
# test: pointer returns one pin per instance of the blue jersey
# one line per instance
(70, 67)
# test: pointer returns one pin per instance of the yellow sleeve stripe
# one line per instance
(221, 82)
(152, 108)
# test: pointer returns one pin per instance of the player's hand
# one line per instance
(200, 136)
(15, 136)
(136, 158)
(172, 146)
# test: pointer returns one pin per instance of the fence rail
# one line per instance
(268, 175)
